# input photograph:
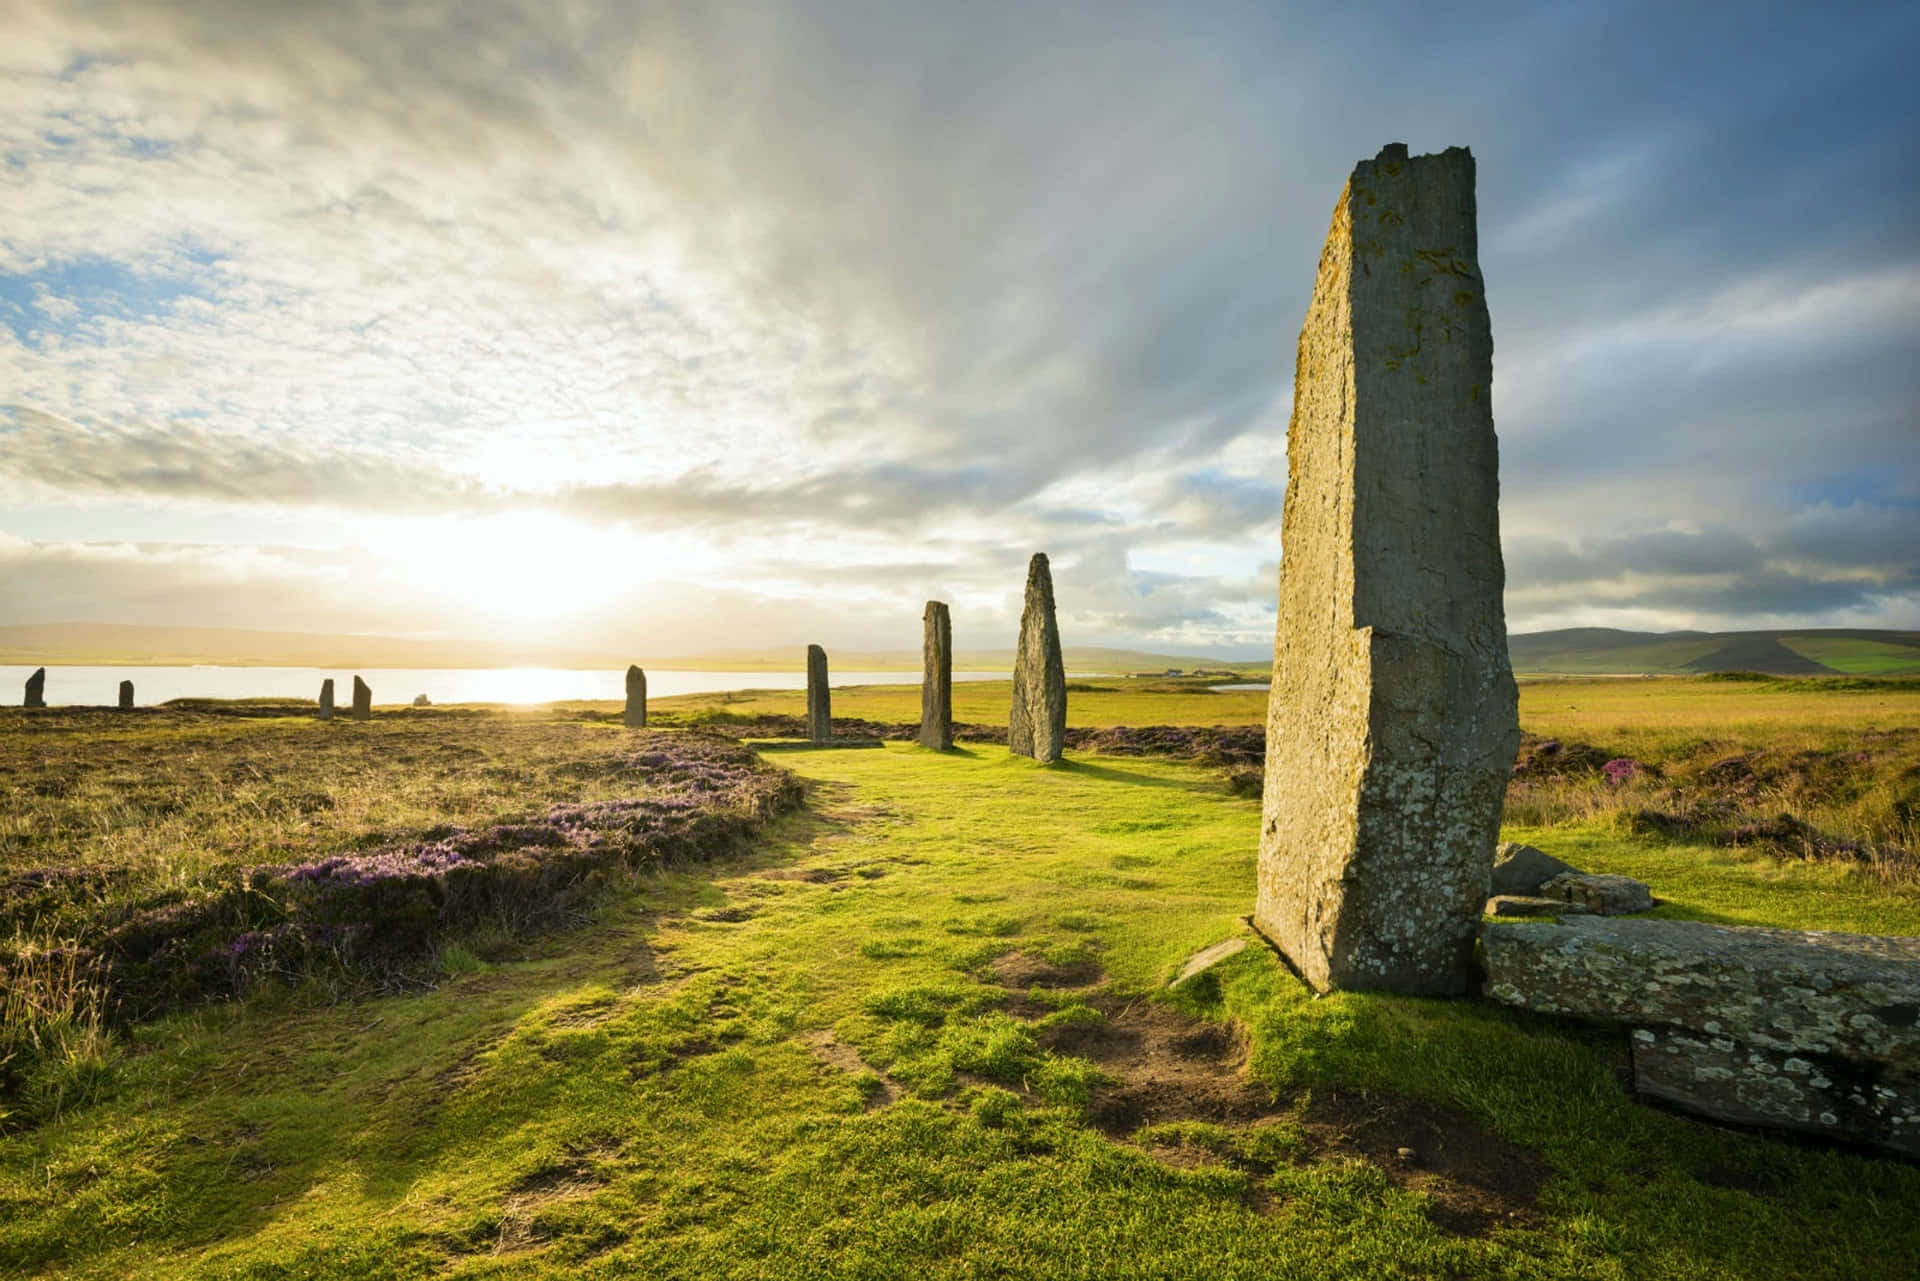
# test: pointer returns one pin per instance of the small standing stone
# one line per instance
(1037, 726)
(326, 699)
(819, 703)
(362, 700)
(636, 717)
(126, 696)
(936, 678)
(37, 689)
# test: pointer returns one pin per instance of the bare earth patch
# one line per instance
(573, 1179)
(1018, 971)
(1477, 1180)
(837, 1054)
(1169, 1067)
(811, 875)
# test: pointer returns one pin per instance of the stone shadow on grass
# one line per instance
(1109, 774)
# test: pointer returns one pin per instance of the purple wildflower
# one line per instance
(1621, 770)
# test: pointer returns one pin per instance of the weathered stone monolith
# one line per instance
(819, 703)
(126, 696)
(37, 689)
(936, 678)
(1038, 724)
(636, 716)
(1392, 722)
(362, 700)
(326, 699)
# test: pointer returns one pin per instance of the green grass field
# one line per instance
(921, 1032)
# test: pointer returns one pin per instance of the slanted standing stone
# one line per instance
(37, 689)
(126, 696)
(362, 700)
(1392, 722)
(326, 699)
(636, 716)
(936, 678)
(1038, 724)
(819, 702)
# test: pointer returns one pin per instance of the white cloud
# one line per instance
(871, 303)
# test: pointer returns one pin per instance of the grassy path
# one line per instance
(909, 1040)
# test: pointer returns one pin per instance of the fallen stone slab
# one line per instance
(1532, 905)
(1856, 996)
(1205, 959)
(1600, 892)
(1721, 1078)
(1801, 1029)
(1522, 869)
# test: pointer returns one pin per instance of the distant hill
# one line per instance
(1787, 652)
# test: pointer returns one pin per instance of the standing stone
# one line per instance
(1038, 724)
(326, 699)
(819, 703)
(37, 689)
(362, 700)
(936, 678)
(1393, 718)
(636, 717)
(126, 696)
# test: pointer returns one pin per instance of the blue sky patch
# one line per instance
(63, 297)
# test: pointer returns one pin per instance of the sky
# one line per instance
(737, 325)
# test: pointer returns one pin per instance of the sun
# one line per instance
(528, 573)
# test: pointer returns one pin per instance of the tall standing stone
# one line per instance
(936, 678)
(126, 696)
(1037, 726)
(362, 700)
(819, 702)
(37, 689)
(1392, 722)
(326, 699)
(636, 716)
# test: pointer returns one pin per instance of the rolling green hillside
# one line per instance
(1804, 652)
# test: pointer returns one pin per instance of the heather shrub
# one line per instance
(95, 944)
